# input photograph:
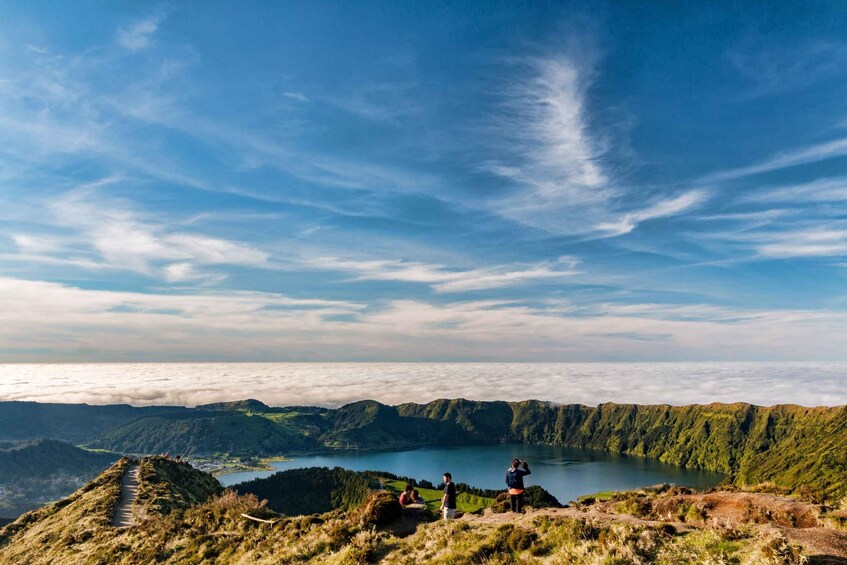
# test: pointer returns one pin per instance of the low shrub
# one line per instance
(380, 509)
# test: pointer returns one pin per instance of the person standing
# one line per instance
(514, 480)
(448, 501)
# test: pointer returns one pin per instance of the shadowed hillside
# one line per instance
(69, 422)
(33, 472)
(310, 491)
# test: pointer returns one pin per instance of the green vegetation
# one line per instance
(537, 497)
(166, 485)
(791, 446)
(35, 472)
(320, 489)
(203, 432)
(311, 490)
(597, 497)
(75, 423)
(465, 502)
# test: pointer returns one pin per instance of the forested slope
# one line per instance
(792, 446)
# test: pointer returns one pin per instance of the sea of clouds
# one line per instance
(334, 384)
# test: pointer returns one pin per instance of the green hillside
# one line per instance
(166, 485)
(76, 423)
(186, 519)
(204, 432)
(34, 472)
(311, 490)
(792, 446)
(368, 424)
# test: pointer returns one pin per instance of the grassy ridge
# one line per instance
(166, 485)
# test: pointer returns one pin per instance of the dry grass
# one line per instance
(77, 531)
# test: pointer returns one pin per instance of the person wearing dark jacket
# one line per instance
(448, 501)
(514, 480)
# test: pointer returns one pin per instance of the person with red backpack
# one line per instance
(514, 480)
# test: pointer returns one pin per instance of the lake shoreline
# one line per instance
(292, 455)
(565, 472)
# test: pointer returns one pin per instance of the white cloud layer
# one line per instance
(334, 384)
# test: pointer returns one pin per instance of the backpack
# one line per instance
(512, 479)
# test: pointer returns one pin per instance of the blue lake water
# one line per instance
(565, 472)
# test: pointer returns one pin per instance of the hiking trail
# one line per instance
(124, 515)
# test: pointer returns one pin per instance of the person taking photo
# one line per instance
(514, 480)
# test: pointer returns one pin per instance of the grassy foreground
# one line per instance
(189, 520)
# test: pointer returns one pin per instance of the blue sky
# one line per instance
(423, 181)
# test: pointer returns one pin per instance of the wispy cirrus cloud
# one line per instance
(549, 111)
(557, 165)
(783, 160)
(797, 238)
(659, 209)
(562, 184)
(299, 96)
(813, 242)
(818, 190)
(776, 68)
(139, 35)
(445, 280)
(69, 106)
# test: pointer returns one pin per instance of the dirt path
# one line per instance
(124, 516)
